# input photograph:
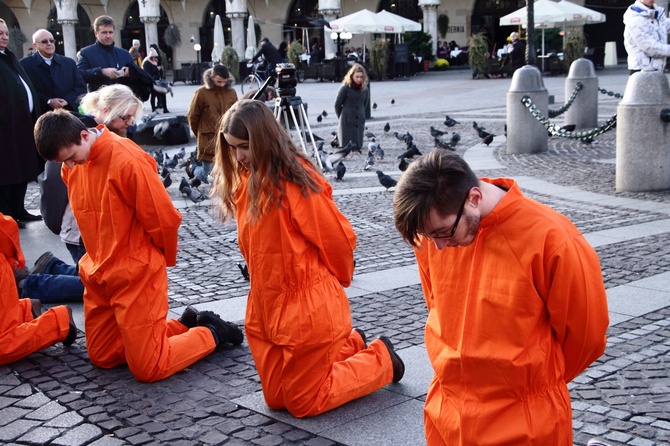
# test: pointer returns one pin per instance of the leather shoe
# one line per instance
(27, 216)
(398, 365)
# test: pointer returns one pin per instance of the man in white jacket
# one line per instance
(645, 36)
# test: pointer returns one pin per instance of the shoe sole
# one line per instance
(398, 360)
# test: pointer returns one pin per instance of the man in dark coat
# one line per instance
(102, 63)
(19, 109)
(271, 55)
(55, 77)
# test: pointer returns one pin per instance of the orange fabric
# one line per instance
(129, 226)
(298, 321)
(20, 334)
(512, 318)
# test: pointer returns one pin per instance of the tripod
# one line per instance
(284, 107)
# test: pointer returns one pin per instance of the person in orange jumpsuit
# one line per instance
(23, 328)
(129, 227)
(516, 306)
(299, 250)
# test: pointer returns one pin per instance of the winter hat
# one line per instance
(136, 42)
(152, 53)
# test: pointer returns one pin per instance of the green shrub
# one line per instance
(574, 47)
(230, 59)
(379, 58)
(294, 51)
(478, 54)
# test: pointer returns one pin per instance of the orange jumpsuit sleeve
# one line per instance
(140, 189)
(10, 243)
(322, 224)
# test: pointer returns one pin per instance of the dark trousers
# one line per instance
(160, 98)
(11, 199)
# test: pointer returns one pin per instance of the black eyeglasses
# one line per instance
(45, 41)
(435, 236)
(127, 118)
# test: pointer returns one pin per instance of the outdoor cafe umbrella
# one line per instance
(400, 23)
(219, 41)
(251, 39)
(364, 22)
(550, 14)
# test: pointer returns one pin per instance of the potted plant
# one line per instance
(16, 41)
(443, 25)
(379, 58)
(478, 55)
(574, 47)
(421, 45)
(294, 52)
(230, 59)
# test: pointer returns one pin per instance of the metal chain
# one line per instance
(610, 93)
(554, 130)
(566, 106)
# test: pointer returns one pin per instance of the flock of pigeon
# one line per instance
(333, 161)
(193, 168)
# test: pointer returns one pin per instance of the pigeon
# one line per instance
(183, 185)
(374, 106)
(379, 152)
(188, 170)
(392, 101)
(488, 140)
(370, 161)
(323, 156)
(340, 171)
(450, 122)
(159, 157)
(319, 119)
(181, 153)
(170, 163)
(435, 133)
(244, 270)
(568, 128)
(335, 142)
(370, 135)
(407, 137)
(165, 172)
(483, 133)
(403, 165)
(196, 182)
(193, 194)
(167, 181)
(411, 152)
(160, 129)
(324, 114)
(455, 139)
(333, 158)
(386, 180)
(387, 127)
(443, 144)
(142, 125)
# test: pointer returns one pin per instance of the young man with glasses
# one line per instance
(516, 304)
(55, 77)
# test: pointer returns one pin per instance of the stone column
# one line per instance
(236, 11)
(330, 9)
(69, 38)
(150, 31)
(429, 8)
(67, 18)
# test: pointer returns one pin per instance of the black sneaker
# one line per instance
(223, 331)
(72, 333)
(41, 263)
(189, 317)
(398, 365)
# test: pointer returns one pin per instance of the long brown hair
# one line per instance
(275, 159)
(349, 77)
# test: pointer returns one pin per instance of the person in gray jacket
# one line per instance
(350, 106)
(645, 36)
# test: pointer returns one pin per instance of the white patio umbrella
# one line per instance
(401, 24)
(251, 39)
(219, 41)
(364, 22)
(550, 14)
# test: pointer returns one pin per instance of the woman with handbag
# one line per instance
(152, 66)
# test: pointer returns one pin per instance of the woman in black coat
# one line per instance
(350, 106)
(152, 66)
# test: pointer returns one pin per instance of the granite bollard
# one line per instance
(583, 112)
(525, 134)
(642, 136)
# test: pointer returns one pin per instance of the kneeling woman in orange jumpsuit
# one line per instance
(23, 330)
(299, 249)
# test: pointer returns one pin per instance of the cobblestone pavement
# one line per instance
(56, 397)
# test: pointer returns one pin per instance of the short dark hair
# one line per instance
(265, 39)
(103, 20)
(56, 130)
(438, 180)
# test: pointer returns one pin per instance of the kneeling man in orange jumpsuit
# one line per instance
(129, 227)
(516, 305)
(299, 250)
(23, 330)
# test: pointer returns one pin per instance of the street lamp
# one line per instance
(197, 49)
(340, 38)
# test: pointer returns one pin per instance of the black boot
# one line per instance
(223, 331)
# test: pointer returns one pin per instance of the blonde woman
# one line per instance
(113, 105)
(350, 106)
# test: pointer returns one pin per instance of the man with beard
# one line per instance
(102, 63)
(516, 304)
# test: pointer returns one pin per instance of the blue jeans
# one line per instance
(76, 251)
(60, 282)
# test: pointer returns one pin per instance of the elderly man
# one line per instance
(645, 36)
(516, 304)
(19, 108)
(102, 63)
(55, 77)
